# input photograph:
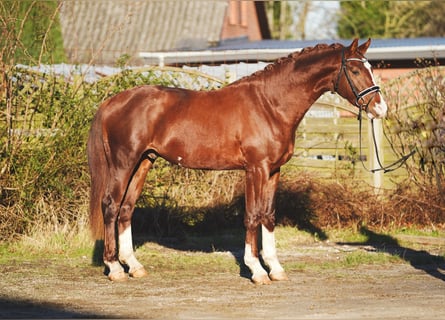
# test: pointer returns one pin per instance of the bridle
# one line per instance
(364, 106)
(359, 96)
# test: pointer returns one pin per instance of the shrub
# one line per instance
(416, 121)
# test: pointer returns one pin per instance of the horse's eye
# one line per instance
(355, 72)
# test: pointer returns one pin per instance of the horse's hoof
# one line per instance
(261, 279)
(278, 276)
(139, 273)
(118, 276)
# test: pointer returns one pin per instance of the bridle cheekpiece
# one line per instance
(359, 96)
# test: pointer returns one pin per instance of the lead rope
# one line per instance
(394, 166)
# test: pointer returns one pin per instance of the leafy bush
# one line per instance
(43, 147)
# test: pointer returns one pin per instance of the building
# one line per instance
(205, 32)
(103, 31)
(389, 57)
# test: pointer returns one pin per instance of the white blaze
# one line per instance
(379, 108)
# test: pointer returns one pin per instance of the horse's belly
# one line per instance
(206, 159)
(198, 147)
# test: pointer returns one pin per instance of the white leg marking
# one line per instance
(116, 271)
(269, 253)
(115, 267)
(126, 253)
(258, 273)
(125, 244)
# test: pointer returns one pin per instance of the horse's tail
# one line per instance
(99, 174)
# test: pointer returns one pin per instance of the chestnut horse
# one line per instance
(248, 125)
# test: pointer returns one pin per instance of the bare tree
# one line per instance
(304, 19)
(280, 19)
(303, 9)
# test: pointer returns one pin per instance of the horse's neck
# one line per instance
(297, 85)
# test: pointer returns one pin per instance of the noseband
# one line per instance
(359, 96)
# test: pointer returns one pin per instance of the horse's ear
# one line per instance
(354, 45)
(364, 47)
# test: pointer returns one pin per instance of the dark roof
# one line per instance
(243, 44)
(399, 52)
(383, 52)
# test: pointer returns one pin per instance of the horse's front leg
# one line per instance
(256, 178)
(260, 209)
(259, 275)
(256, 192)
(269, 252)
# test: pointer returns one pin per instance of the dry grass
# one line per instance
(213, 201)
(330, 204)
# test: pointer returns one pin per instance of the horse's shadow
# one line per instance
(219, 228)
(420, 259)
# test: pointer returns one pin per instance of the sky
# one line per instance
(322, 20)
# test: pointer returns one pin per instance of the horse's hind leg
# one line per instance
(117, 213)
(111, 206)
(126, 252)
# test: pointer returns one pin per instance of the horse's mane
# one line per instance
(294, 56)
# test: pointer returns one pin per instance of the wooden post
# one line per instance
(376, 177)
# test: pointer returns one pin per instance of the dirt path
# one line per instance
(73, 288)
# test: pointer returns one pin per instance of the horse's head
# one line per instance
(355, 81)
